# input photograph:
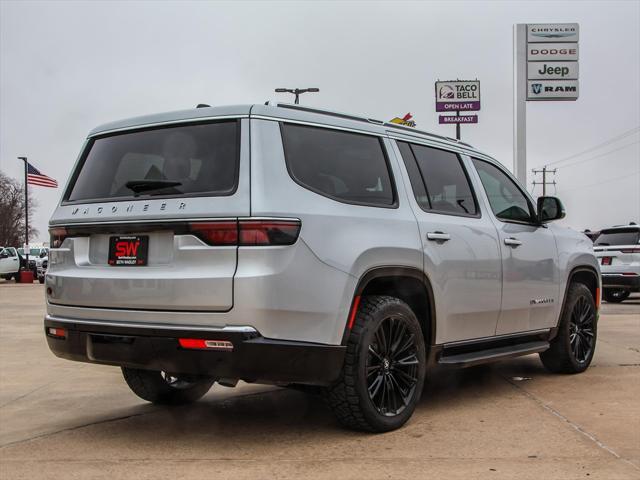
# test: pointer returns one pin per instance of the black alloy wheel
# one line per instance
(581, 329)
(392, 367)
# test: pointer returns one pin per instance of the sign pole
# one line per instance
(520, 102)
(457, 126)
(26, 213)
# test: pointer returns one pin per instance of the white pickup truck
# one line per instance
(9, 263)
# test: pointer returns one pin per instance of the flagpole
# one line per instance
(26, 213)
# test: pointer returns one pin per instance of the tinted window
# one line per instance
(447, 186)
(618, 237)
(505, 197)
(191, 159)
(346, 166)
(417, 184)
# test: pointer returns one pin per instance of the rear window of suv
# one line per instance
(345, 166)
(185, 160)
(618, 237)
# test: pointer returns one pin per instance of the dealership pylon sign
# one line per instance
(545, 63)
(552, 61)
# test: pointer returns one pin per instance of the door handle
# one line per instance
(438, 236)
(512, 242)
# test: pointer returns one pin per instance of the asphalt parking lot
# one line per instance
(60, 419)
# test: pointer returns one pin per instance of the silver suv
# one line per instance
(299, 247)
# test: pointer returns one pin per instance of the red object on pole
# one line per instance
(26, 276)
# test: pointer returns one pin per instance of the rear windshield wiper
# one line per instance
(139, 186)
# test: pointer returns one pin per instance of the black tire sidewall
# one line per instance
(578, 291)
(397, 309)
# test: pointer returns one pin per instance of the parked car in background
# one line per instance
(34, 255)
(618, 252)
(42, 262)
(288, 245)
(9, 263)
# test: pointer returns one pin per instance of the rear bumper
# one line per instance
(156, 347)
(613, 280)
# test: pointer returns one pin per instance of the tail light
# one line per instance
(56, 332)
(247, 232)
(630, 250)
(268, 232)
(57, 236)
(216, 233)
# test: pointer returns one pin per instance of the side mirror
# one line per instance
(549, 209)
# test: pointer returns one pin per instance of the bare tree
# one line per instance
(12, 212)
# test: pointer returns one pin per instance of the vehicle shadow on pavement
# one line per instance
(288, 412)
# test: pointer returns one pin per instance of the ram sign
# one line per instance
(459, 95)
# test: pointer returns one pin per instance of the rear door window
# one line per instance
(345, 166)
(185, 160)
(439, 181)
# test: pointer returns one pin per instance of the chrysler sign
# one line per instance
(552, 32)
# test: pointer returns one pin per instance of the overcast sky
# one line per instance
(66, 67)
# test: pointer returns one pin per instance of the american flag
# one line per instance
(34, 177)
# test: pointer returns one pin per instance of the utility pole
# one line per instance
(544, 170)
(297, 92)
(26, 213)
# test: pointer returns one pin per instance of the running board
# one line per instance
(470, 359)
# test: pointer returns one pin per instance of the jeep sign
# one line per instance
(552, 70)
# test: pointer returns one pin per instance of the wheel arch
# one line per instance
(411, 285)
(588, 276)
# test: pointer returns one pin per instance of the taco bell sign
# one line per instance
(459, 95)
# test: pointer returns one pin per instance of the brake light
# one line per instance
(268, 232)
(202, 344)
(216, 233)
(629, 274)
(247, 232)
(630, 250)
(57, 236)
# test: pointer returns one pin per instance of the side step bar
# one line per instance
(470, 359)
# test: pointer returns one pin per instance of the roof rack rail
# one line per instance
(429, 134)
(348, 116)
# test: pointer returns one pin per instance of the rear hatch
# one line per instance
(618, 250)
(149, 219)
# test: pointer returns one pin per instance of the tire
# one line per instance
(615, 295)
(164, 389)
(380, 318)
(573, 348)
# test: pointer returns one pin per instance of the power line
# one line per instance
(614, 179)
(600, 145)
(601, 155)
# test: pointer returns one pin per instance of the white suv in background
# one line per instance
(618, 251)
(287, 245)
